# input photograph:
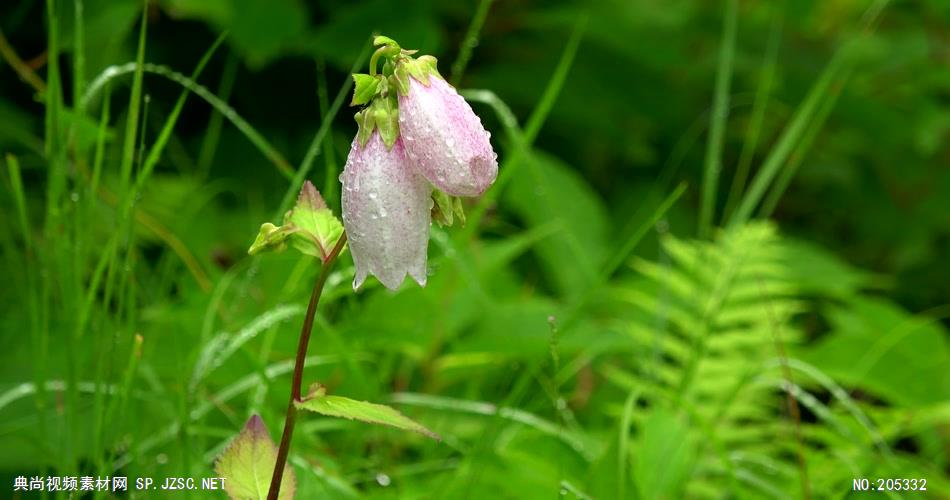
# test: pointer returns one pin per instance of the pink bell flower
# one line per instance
(386, 212)
(444, 139)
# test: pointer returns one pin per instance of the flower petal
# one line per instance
(386, 213)
(445, 139)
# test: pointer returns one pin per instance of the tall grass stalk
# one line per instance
(803, 119)
(469, 41)
(718, 119)
(759, 107)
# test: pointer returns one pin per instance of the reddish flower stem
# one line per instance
(295, 392)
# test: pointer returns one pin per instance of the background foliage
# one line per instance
(580, 335)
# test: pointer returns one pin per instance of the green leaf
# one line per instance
(664, 456)
(269, 238)
(876, 346)
(315, 229)
(545, 191)
(248, 463)
(364, 88)
(337, 406)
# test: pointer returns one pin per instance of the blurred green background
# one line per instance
(584, 335)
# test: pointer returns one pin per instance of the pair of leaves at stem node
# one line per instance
(310, 227)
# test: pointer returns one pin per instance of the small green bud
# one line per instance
(270, 238)
(310, 227)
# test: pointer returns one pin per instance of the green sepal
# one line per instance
(429, 66)
(366, 123)
(445, 209)
(364, 88)
(420, 68)
(270, 238)
(318, 401)
(317, 230)
(381, 114)
(386, 110)
(401, 79)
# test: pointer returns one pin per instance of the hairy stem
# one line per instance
(295, 391)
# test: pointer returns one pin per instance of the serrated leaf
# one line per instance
(316, 229)
(364, 88)
(338, 406)
(270, 238)
(247, 464)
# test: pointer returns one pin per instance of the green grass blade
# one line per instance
(556, 83)
(317, 141)
(801, 151)
(213, 135)
(470, 41)
(577, 441)
(155, 152)
(754, 129)
(19, 198)
(79, 54)
(623, 444)
(718, 118)
(789, 138)
(135, 103)
(331, 184)
(523, 140)
(803, 118)
(258, 140)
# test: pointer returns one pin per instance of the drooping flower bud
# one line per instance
(386, 212)
(444, 138)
